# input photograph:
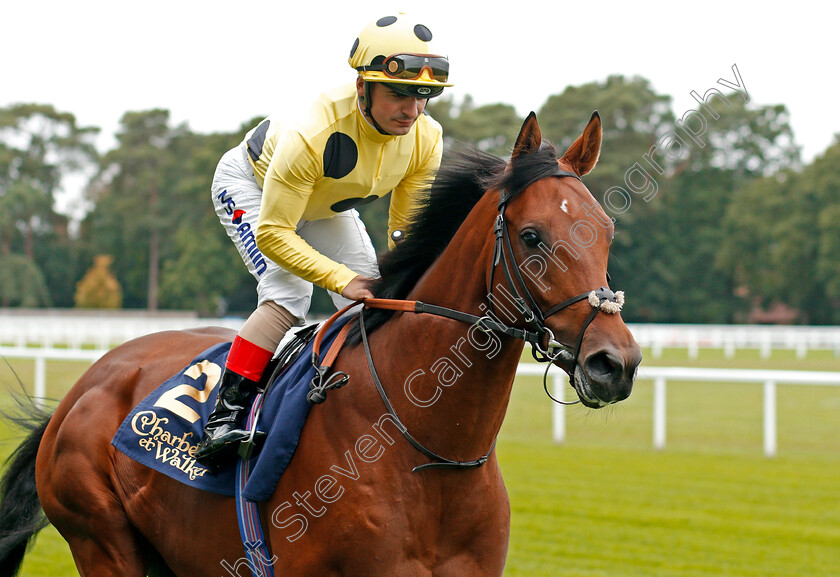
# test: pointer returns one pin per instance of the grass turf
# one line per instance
(606, 504)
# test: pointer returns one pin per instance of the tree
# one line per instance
(61, 258)
(39, 148)
(633, 117)
(154, 212)
(712, 210)
(781, 239)
(22, 284)
(133, 211)
(671, 188)
(98, 289)
(747, 141)
(203, 270)
(492, 128)
(738, 145)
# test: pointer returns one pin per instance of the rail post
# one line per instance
(769, 418)
(659, 413)
(559, 421)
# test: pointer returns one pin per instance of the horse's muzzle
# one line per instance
(606, 376)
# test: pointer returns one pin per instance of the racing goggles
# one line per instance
(411, 66)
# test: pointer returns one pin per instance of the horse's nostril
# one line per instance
(607, 379)
(603, 365)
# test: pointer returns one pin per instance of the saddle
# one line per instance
(321, 383)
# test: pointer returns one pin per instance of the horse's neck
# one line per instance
(458, 278)
(458, 395)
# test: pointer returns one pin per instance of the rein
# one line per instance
(322, 383)
(439, 462)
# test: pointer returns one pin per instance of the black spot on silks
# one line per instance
(349, 203)
(340, 155)
(354, 48)
(386, 21)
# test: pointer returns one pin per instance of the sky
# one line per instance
(215, 64)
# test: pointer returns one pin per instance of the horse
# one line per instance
(402, 481)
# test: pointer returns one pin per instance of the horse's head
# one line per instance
(552, 247)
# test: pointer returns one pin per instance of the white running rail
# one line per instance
(76, 329)
(661, 375)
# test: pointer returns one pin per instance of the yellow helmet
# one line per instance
(397, 50)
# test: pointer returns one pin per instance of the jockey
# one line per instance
(287, 195)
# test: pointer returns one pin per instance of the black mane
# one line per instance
(462, 180)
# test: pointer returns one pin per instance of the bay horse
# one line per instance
(520, 245)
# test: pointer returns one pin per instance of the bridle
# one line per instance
(601, 300)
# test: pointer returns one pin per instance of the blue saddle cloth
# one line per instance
(162, 432)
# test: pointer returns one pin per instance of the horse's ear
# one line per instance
(583, 154)
(529, 139)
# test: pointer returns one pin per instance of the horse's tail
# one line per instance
(21, 516)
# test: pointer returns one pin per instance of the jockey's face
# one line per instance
(394, 112)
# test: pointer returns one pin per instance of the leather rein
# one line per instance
(602, 300)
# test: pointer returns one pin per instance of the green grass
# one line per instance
(783, 359)
(50, 556)
(606, 504)
(587, 511)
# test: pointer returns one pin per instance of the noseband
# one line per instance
(602, 299)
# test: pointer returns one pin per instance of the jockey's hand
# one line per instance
(357, 289)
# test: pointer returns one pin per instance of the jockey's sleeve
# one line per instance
(411, 191)
(288, 186)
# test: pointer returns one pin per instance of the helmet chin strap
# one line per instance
(368, 112)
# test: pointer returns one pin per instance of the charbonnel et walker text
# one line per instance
(163, 431)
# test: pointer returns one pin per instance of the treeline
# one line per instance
(716, 219)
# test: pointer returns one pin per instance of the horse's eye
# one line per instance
(530, 237)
